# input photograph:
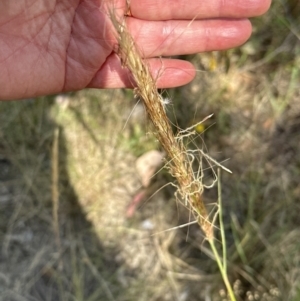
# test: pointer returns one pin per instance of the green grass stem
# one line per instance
(222, 262)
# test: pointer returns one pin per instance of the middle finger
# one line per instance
(168, 38)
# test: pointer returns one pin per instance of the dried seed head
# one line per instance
(180, 164)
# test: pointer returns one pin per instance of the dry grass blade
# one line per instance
(180, 163)
(55, 191)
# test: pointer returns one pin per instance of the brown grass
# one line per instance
(179, 165)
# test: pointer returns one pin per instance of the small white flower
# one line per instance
(165, 101)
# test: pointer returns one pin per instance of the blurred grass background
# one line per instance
(72, 239)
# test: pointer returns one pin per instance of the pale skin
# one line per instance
(54, 46)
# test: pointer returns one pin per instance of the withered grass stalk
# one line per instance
(180, 163)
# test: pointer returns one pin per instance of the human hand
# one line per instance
(53, 46)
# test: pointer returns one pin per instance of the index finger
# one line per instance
(199, 9)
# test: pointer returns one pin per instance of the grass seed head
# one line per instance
(180, 165)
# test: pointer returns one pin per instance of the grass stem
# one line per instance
(222, 263)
